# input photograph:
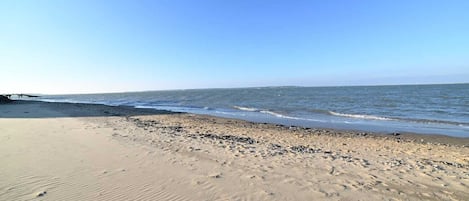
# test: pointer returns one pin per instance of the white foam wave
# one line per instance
(69, 101)
(360, 116)
(145, 107)
(463, 126)
(289, 117)
(249, 109)
(229, 113)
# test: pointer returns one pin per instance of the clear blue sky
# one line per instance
(107, 46)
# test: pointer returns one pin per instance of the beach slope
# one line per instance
(62, 151)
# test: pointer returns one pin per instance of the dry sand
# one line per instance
(56, 151)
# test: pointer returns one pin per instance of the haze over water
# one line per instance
(429, 109)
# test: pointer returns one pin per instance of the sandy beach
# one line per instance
(62, 151)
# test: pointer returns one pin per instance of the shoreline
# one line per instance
(66, 151)
(122, 110)
(381, 109)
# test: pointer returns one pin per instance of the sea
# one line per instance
(423, 109)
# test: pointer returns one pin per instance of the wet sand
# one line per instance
(59, 151)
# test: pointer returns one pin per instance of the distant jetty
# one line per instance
(6, 98)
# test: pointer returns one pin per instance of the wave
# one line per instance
(421, 121)
(434, 121)
(360, 116)
(354, 116)
(249, 109)
(72, 101)
(210, 110)
(289, 117)
(278, 115)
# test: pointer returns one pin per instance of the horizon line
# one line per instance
(250, 87)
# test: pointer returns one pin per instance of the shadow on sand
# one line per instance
(38, 109)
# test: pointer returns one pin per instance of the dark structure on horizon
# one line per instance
(6, 98)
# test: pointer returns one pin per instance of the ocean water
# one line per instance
(429, 109)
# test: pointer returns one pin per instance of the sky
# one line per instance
(57, 47)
